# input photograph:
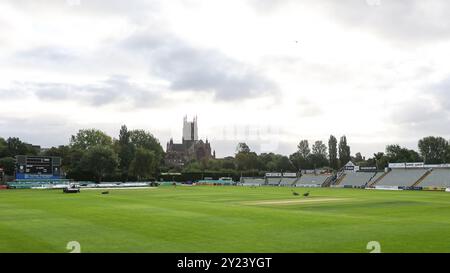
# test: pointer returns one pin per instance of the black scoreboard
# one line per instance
(38, 167)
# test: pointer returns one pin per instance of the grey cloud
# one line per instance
(267, 6)
(129, 9)
(441, 91)
(427, 114)
(47, 54)
(49, 130)
(194, 69)
(416, 112)
(407, 21)
(115, 90)
(309, 109)
(401, 20)
(56, 129)
(419, 117)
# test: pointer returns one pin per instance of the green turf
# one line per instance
(224, 219)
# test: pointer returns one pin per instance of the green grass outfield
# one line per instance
(224, 219)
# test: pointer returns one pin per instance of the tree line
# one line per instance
(93, 155)
(135, 155)
(432, 150)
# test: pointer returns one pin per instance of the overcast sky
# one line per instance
(269, 72)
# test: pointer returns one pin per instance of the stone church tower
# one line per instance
(190, 148)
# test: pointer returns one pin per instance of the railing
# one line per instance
(379, 179)
(422, 178)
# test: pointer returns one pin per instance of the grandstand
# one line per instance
(288, 181)
(359, 179)
(273, 181)
(253, 181)
(437, 178)
(402, 177)
(311, 180)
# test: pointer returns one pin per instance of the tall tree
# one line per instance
(319, 148)
(126, 151)
(88, 138)
(144, 164)
(100, 161)
(318, 158)
(245, 159)
(266, 162)
(332, 152)
(146, 140)
(433, 149)
(397, 154)
(242, 147)
(3, 148)
(303, 148)
(359, 157)
(299, 161)
(344, 151)
(17, 147)
(8, 165)
(381, 160)
(228, 163)
(284, 164)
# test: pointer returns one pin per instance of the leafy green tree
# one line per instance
(64, 152)
(271, 166)
(303, 148)
(301, 158)
(146, 140)
(242, 148)
(3, 148)
(100, 161)
(73, 165)
(213, 164)
(8, 165)
(433, 149)
(358, 158)
(61, 151)
(126, 151)
(266, 162)
(380, 160)
(447, 157)
(245, 159)
(144, 164)
(299, 162)
(344, 151)
(318, 158)
(17, 147)
(228, 163)
(317, 161)
(193, 167)
(319, 148)
(332, 152)
(397, 154)
(283, 164)
(88, 138)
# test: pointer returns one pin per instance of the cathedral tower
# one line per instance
(190, 130)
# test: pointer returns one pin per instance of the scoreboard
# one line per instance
(38, 167)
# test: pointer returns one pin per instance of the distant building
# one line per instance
(190, 148)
